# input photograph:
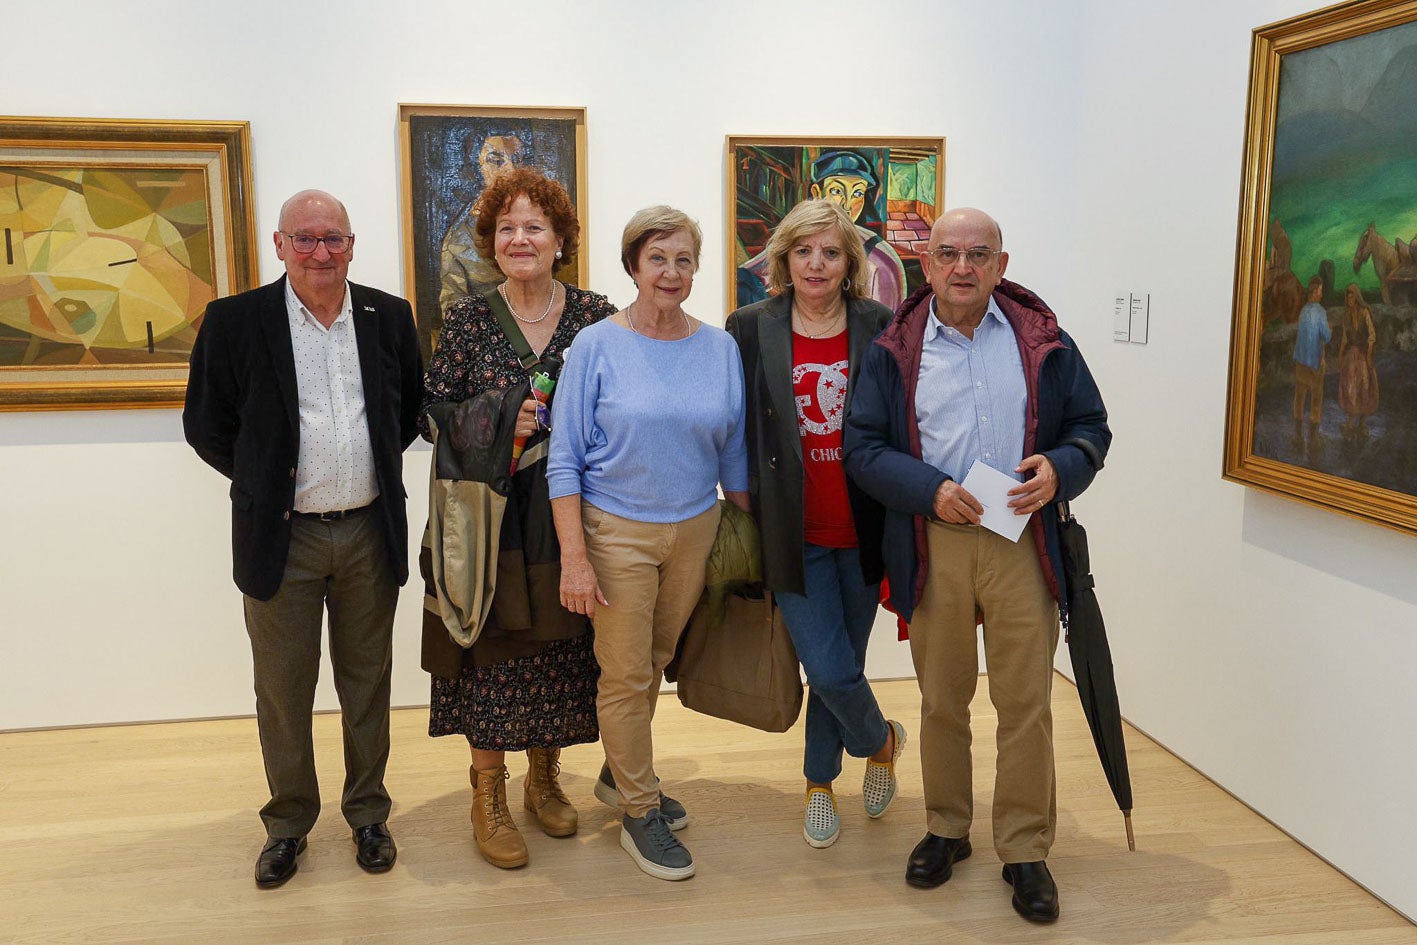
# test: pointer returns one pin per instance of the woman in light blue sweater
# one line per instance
(647, 423)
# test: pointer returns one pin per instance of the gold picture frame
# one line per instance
(892, 187)
(114, 235)
(1320, 356)
(446, 153)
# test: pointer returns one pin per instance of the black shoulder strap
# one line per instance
(512, 330)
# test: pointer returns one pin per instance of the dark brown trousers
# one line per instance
(340, 567)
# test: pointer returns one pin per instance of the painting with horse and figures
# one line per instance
(1323, 398)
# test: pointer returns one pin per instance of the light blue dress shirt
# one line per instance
(971, 400)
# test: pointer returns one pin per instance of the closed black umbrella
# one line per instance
(1092, 663)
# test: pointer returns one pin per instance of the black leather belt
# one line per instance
(333, 516)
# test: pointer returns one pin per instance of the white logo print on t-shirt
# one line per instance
(831, 397)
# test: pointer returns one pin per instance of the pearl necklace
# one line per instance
(502, 289)
(688, 329)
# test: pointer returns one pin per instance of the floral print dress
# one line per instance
(545, 699)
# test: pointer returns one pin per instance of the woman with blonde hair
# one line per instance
(821, 536)
(648, 422)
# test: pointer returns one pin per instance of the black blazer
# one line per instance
(763, 331)
(242, 417)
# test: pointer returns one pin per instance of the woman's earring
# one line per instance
(558, 254)
(845, 284)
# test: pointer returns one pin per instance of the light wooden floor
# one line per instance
(149, 834)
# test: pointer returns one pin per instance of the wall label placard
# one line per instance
(1131, 316)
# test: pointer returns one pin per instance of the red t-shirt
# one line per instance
(819, 386)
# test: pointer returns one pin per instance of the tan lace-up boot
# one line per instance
(543, 796)
(498, 839)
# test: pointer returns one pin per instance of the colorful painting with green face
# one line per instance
(1337, 385)
(891, 190)
(109, 266)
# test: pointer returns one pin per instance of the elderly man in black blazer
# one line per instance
(305, 393)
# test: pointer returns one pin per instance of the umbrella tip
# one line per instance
(1131, 837)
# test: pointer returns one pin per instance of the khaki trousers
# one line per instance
(971, 569)
(340, 567)
(652, 574)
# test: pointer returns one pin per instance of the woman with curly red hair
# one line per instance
(529, 680)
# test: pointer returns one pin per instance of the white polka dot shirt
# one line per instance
(336, 466)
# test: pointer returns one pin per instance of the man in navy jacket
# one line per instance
(975, 368)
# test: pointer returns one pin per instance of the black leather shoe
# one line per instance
(1035, 893)
(276, 864)
(374, 848)
(934, 858)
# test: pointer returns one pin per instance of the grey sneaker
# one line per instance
(654, 849)
(605, 791)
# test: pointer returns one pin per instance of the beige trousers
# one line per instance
(652, 574)
(973, 569)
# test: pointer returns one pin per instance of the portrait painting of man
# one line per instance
(451, 154)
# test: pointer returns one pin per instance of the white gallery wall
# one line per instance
(117, 551)
(1265, 642)
(1268, 643)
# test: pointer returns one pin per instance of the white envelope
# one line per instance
(991, 488)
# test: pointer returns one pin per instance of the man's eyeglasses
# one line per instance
(976, 256)
(336, 244)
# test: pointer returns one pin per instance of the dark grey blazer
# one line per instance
(242, 416)
(763, 331)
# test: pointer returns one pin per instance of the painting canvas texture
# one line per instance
(889, 192)
(452, 159)
(1336, 388)
(103, 266)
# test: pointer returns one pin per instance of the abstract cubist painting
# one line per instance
(892, 188)
(102, 266)
(114, 236)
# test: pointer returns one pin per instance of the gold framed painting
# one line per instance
(114, 236)
(449, 154)
(892, 188)
(1322, 402)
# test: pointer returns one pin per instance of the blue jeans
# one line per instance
(829, 626)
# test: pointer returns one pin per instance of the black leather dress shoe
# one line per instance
(934, 858)
(1035, 893)
(276, 864)
(374, 848)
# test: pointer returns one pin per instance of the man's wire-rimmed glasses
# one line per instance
(335, 243)
(976, 256)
